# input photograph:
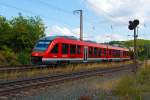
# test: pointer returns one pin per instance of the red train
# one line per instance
(68, 49)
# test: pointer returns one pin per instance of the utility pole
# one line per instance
(81, 22)
(147, 54)
(135, 49)
(133, 26)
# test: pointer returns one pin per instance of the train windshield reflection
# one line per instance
(42, 45)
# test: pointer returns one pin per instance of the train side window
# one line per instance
(72, 49)
(78, 49)
(55, 49)
(109, 51)
(114, 53)
(90, 51)
(127, 53)
(124, 53)
(95, 51)
(100, 52)
(118, 53)
(65, 48)
(104, 51)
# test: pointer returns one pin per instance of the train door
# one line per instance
(85, 54)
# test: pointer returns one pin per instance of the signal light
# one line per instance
(133, 24)
(136, 22)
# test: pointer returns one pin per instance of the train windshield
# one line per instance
(42, 45)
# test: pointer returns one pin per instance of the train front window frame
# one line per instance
(42, 45)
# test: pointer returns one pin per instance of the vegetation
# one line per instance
(17, 38)
(134, 87)
(143, 46)
(58, 70)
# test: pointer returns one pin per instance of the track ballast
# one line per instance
(7, 88)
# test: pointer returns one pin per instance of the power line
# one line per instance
(54, 7)
(27, 11)
(50, 17)
(31, 12)
(63, 10)
(69, 12)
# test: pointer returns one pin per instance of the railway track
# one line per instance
(22, 68)
(28, 67)
(8, 88)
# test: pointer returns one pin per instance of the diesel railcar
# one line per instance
(68, 49)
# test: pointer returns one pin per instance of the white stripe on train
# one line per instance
(81, 59)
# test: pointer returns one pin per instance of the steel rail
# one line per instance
(7, 88)
(19, 68)
(22, 68)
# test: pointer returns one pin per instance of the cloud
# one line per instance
(122, 10)
(56, 30)
(110, 37)
(76, 31)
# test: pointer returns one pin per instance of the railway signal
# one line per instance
(133, 26)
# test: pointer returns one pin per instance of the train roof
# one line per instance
(54, 37)
(87, 42)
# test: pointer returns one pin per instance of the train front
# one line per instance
(39, 50)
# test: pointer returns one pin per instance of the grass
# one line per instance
(67, 69)
(134, 87)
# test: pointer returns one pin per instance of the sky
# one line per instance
(103, 20)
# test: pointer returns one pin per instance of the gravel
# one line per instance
(93, 87)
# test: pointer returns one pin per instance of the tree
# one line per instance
(18, 36)
(5, 32)
(26, 31)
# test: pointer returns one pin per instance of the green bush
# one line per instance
(127, 86)
(24, 57)
(18, 35)
(143, 76)
(134, 86)
(9, 56)
(2, 59)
